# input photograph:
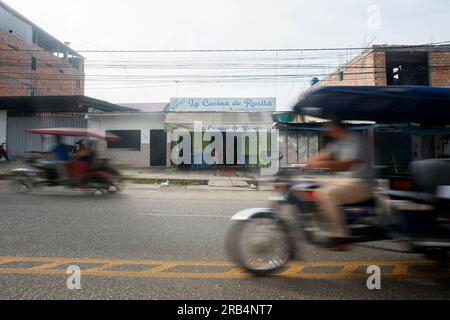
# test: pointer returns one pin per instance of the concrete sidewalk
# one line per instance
(220, 178)
(210, 178)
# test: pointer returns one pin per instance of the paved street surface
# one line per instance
(168, 243)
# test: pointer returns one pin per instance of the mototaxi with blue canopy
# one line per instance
(416, 110)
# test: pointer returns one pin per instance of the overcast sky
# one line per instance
(228, 24)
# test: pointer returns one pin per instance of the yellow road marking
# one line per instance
(46, 266)
(400, 270)
(348, 270)
(165, 269)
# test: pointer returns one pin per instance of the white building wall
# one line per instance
(143, 122)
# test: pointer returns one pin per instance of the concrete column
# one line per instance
(169, 149)
(3, 124)
(417, 148)
(439, 146)
(371, 145)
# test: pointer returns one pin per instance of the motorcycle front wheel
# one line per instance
(260, 246)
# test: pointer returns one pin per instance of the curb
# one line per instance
(160, 181)
(192, 184)
(214, 189)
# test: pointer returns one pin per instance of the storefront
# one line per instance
(234, 132)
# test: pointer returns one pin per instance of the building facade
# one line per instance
(149, 137)
(20, 114)
(33, 63)
(143, 141)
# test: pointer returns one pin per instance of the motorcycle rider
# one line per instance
(61, 156)
(348, 156)
(85, 153)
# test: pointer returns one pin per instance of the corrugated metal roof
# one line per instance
(147, 107)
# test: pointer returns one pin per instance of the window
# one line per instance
(32, 92)
(78, 83)
(33, 63)
(129, 140)
(13, 47)
(35, 35)
(341, 76)
(407, 68)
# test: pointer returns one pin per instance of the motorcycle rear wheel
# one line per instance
(117, 185)
(100, 185)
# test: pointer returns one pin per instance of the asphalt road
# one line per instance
(169, 244)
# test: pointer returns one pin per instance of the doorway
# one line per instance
(158, 148)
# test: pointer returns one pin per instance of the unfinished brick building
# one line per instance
(33, 63)
(395, 65)
(42, 84)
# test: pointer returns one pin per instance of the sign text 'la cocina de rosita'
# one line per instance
(223, 105)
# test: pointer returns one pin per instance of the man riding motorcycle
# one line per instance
(348, 156)
(61, 157)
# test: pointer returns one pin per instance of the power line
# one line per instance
(348, 49)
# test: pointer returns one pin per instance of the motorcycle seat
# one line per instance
(365, 204)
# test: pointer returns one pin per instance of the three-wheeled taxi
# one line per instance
(412, 209)
(86, 172)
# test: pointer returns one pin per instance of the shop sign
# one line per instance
(223, 104)
(233, 128)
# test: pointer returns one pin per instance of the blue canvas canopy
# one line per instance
(381, 104)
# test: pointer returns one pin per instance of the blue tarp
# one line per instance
(430, 131)
(381, 104)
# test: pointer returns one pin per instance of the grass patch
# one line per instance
(177, 182)
(123, 167)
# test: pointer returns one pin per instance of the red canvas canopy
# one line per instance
(75, 132)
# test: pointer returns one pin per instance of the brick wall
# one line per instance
(53, 76)
(440, 65)
(359, 72)
(379, 61)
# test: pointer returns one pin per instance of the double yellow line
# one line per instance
(168, 269)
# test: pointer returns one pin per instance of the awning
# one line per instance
(320, 128)
(75, 132)
(427, 131)
(75, 104)
(228, 121)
